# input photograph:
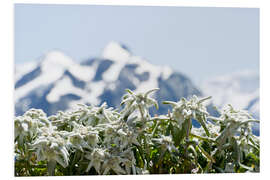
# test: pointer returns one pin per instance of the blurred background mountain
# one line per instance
(63, 55)
(56, 82)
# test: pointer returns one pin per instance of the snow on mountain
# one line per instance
(48, 70)
(22, 69)
(239, 89)
(57, 82)
(116, 52)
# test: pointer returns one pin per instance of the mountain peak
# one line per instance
(56, 59)
(115, 51)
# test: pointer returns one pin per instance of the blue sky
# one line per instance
(200, 42)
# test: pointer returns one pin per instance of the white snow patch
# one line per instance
(119, 56)
(166, 72)
(238, 88)
(22, 69)
(43, 80)
(84, 73)
(154, 73)
(114, 51)
(57, 61)
(113, 72)
(53, 66)
(95, 90)
(62, 87)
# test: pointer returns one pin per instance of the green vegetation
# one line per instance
(101, 140)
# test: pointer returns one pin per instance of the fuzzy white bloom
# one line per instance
(140, 102)
(28, 125)
(96, 158)
(184, 110)
(83, 137)
(166, 143)
(230, 114)
(113, 163)
(51, 146)
(108, 142)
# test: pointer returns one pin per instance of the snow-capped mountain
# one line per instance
(56, 82)
(240, 89)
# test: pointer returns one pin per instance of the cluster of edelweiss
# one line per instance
(107, 139)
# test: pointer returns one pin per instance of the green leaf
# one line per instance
(177, 135)
(208, 156)
(173, 104)
(202, 121)
(204, 99)
(150, 91)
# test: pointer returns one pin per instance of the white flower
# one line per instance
(96, 158)
(184, 109)
(140, 102)
(51, 146)
(113, 163)
(166, 143)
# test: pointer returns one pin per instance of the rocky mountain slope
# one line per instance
(56, 82)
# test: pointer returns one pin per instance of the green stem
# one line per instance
(187, 137)
(201, 100)
(155, 129)
(141, 112)
(160, 160)
(208, 156)
(51, 167)
(202, 138)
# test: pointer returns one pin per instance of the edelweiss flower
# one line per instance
(77, 141)
(51, 148)
(113, 163)
(140, 102)
(166, 143)
(186, 110)
(96, 158)
(234, 121)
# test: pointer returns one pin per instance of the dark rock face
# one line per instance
(89, 62)
(76, 82)
(128, 72)
(176, 86)
(129, 76)
(28, 77)
(102, 67)
(35, 99)
(113, 97)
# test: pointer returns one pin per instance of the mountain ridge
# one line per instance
(96, 80)
(241, 89)
(56, 82)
